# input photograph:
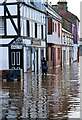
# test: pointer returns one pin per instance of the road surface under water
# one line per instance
(55, 95)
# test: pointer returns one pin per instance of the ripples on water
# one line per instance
(55, 95)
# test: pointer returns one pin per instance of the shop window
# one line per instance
(49, 25)
(35, 30)
(42, 53)
(41, 31)
(58, 29)
(29, 58)
(13, 58)
(28, 28)
(55, 27)
(47, 54)
(18, 58)
(1, 27)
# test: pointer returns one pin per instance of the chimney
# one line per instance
(62, 5)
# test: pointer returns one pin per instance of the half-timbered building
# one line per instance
(22, 35)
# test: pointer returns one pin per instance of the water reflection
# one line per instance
(55, 95)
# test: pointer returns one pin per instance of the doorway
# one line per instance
(16, 59)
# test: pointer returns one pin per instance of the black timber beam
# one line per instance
(5, 28)
(19, 29)
(8, 36)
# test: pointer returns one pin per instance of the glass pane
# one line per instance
(13, 58)
(18, 58)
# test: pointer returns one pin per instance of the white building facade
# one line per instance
(54, 30)
(22, 36)
(67, 47)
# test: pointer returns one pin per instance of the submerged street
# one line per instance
(55, 95)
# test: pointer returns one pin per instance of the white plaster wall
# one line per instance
(10, 28)
(4, 58)
(53, 38)
(12, 11)
(5, 41)
(67, 56)
(1, 10)
(75, 49)
(25, 59)
(31, 15)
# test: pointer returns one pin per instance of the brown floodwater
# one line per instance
(55, 95)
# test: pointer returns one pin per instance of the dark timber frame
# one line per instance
(11, 17)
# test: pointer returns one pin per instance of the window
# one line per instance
(47, 53)
(32, 2)
(42, 53)
(42, 31)
(58, 29)
(31, 29)
(29, 58)
(1, 27)
(18, 58)
(35, 30)
(28, 28)
(49, 25)
(58, 53)
(13, 58)
(55, 27)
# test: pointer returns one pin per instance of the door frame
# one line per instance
(21, 57)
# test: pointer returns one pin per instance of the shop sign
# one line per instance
(16, 47)
(35, 42)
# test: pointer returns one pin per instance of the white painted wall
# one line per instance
(12, 11)
(25, 59)
(4, 58)
(67, 54)
(75, 49)
(67, 45)
(53, 38)
(31, 15)
(10, 28)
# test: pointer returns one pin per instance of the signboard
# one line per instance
(35, 42)
(16, 46)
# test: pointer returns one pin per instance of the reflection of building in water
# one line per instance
(54, 89)
(34, 97)
(11, 99)
(48, 96)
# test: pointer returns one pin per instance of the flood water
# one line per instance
(55, 95)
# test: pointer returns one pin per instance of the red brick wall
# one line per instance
(56, 61)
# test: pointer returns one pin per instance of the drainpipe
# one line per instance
(61, 45)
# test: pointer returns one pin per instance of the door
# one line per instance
(54, 58)
(64, 57)
(70, 56)
(16, 59)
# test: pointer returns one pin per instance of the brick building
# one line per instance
(53, 29)
(62, 9)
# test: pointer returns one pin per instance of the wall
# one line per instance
(4, 58)
(30, 14)
(53, 38)
(75, 49)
